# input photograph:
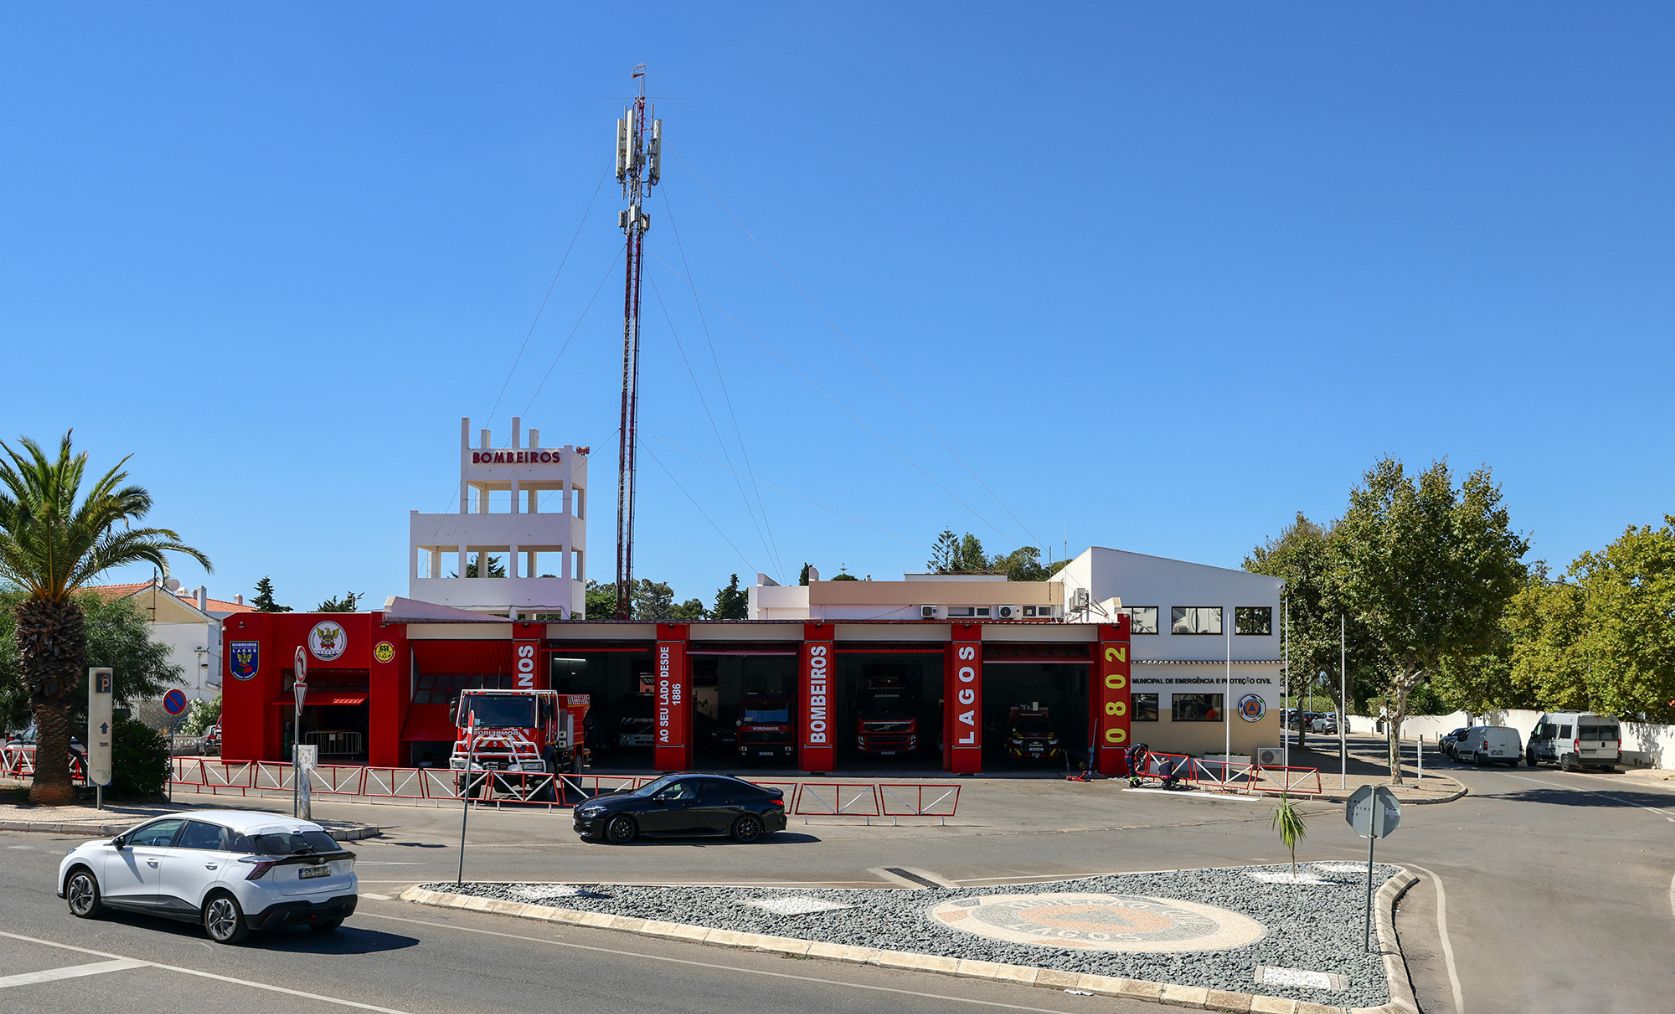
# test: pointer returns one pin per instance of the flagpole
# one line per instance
(1343, 708)
(1226, 706)
(1285, 630)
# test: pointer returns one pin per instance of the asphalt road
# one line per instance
(1554, 888)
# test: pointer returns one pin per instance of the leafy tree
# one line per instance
(732, 602)
(1288, 820)
(117, 637)
(347, 604)
(263, 601)
(964, 554)
(1627, 645)
(203, 713)
(802, 578)
(689, 611)
(844, 575)
(601, 600)
(1022, 564)
(945, 554)
(652, 600)
(52, 542)
(1427, 569)
(496, 568)
(139, 760)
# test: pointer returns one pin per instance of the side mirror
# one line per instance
(120, 841)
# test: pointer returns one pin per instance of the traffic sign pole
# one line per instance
(1367, 932)
(299, 691)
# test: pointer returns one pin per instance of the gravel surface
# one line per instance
(1315, 927)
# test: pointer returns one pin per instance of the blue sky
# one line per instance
(1148, 276)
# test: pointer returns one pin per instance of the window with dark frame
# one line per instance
(1145, 707)
(1142, 620)
(1190, 620)
(1257, 620)
(1195, 707)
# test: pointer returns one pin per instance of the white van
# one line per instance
(1489, 744)
(1575, 740)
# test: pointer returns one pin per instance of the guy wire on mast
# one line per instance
(639, 160)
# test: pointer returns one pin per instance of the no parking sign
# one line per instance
(174, 702)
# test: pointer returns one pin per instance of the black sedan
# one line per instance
(684, 805)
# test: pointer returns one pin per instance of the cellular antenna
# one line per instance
(639, 165)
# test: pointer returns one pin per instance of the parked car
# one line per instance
(1575, 740)
(1450, 740)
(1325, 723)
(230, 871)
(683, 805)
(1489, 744)
(212, 739)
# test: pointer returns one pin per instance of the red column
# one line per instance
(817, 700)
(1112, 706)
(962, 695)
(388, 683)
(672, 694)
(527, 671)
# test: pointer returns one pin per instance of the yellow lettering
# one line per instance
(1116, 737)
(1115, 680)
(1116, 708)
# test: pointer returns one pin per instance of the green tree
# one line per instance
(802, 578)
(54, 540)
(1627, 646)
(347, 604)
(732, 602)
(652, 600)
(844, 575)
(496, 568)
(689, 611)
(601, 601)
(263, 601)
(117, 637)
(1288, 820)
(1427, 570)
(203, 713)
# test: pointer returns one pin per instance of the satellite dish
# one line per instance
(171, 584)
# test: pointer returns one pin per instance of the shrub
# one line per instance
(139, 760)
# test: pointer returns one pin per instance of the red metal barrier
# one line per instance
(17, 760)
(919, 799)
(838, 799)
(1225, 775)
(1292, 781)
(336, 779)
(1157, 767)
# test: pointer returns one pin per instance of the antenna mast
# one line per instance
(639, 159)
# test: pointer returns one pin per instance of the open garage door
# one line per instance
(619, 729)
(1035, 708)
(889, 707)
(745, 704)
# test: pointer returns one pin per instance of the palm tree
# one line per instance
(51, 545)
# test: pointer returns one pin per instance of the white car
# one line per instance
(230, 871)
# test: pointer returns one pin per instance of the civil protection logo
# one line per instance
(383, 651)
(327, 641)
(1252, 707)
(244, 658)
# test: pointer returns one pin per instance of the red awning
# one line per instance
(326, 698)
(428, 723)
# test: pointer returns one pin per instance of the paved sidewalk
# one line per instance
(115, 818)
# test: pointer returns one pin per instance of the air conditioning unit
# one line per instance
(1009, 612)
(930, 612)
(1269, 756)
(1079, 599)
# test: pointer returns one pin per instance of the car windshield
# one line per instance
(500, 712)
(286, 843)
(778, 714)
(654, 786)
(1032, 725)
(884, 704)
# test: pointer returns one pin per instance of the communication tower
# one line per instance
(639, 160)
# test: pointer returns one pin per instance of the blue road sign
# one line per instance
(174, 702)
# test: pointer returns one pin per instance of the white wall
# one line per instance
(183, 640)
(1644, 745)
(1141, 580)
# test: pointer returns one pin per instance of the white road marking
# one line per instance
(1593, 792)
(362, 862)
(25, 848)
(207, 975)
(1448, 946)
(375, 897)
(1200, 795)
(619, 952)
(70, 972)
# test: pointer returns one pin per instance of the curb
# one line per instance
(340, 832)
(1168, 993)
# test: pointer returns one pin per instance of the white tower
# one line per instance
(518, 546)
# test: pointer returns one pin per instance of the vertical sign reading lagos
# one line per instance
(963, 690)
(817, 748)
(672, 705)
(1113, 703)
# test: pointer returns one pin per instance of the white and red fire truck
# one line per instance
(519, 741)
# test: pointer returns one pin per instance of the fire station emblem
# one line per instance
(1252, 707)
(383, 651)
(244, 658)
(327, 641)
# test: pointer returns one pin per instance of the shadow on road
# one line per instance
(780, 838)
(347, 939)
(1584, 797)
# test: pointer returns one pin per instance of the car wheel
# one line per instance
(223, 920)
(621, 830)
(82, 892)
(1529, 757)
(326, 926)
(747, 829)
(1476, 760)
(1565, 763)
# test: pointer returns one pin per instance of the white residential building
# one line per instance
(188, 623)
(517, 546)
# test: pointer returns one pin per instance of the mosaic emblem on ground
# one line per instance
(1100, 922)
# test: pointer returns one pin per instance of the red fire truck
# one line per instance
(763, 729)
(520, 740)
(886, 718)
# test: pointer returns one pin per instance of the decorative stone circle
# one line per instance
(1100, 922)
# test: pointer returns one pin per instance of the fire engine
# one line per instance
(763, 728)
(1031, 736)
(886, 718)
(517, 732)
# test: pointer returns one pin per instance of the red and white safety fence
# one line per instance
(17, 760)
(1224, 775)
(436, 786)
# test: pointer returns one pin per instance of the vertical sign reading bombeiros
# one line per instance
(817, 744)
(1113, 705)
(671, 706)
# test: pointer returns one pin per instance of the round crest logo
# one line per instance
(1252, 707)
(327, 641)
(383, 651)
